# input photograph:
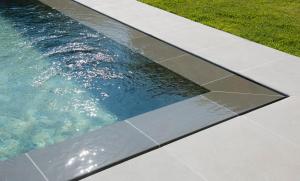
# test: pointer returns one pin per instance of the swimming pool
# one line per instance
(80, 92)
(60, 78)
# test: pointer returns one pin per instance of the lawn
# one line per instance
(274, 23)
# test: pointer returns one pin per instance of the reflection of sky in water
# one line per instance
(59, 79)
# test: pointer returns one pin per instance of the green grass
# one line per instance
(274, 23)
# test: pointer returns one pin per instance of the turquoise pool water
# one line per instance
(60, 79)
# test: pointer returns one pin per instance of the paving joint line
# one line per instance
(35, 165)
(143, 133)
(272, 132)
(236, 114)
(247, 93)
(142, 36)
(169, 59)
(257, 66)
(186, 165)
(216, 80)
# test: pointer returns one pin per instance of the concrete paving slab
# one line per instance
(284, 76)
(281, 118)
(238, 150)
(241, 55)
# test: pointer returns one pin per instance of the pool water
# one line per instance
(60, 79)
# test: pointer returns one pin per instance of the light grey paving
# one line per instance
(179, 119)
(155, 165)
(19, 169)
(281, 118)
(198, 39)
(239, 56)
(238, 150)
(283, 75)
(81, 155)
